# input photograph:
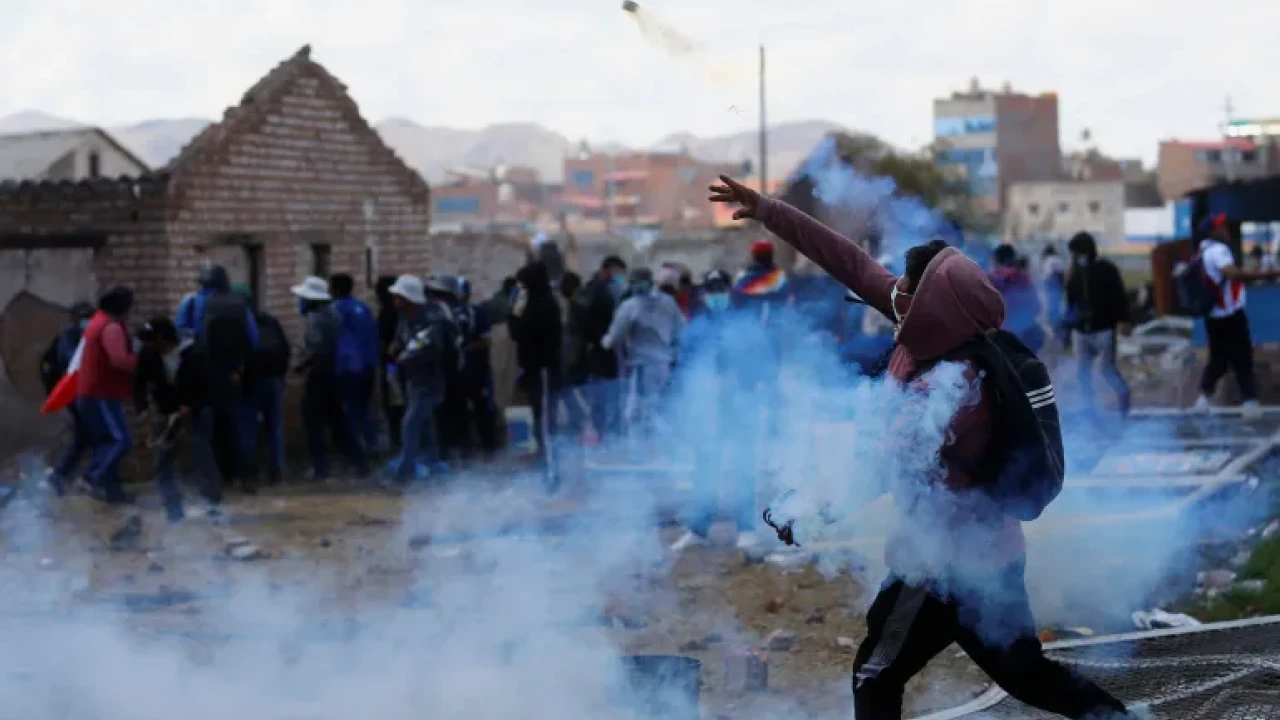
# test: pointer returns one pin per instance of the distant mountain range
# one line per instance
(434, 150)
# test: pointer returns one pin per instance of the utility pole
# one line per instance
(764, 141)
(1229, 150)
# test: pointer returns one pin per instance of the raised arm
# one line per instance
(839, 256)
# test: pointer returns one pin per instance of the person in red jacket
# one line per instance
(105, 381)
(956, 565)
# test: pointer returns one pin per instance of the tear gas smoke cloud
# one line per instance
(678, 46)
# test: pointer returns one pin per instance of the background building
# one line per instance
(1042, 213)
(997, 138)
(1186, 166)
(65, 155)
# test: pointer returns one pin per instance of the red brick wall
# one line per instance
(299, 172)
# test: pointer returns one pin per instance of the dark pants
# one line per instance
(479, 389)
(357, 400)
(323, 412)
(418, 434)
(1230, 346)
(81, 443)
(200, 438)
(991, 620)
(604, 396)
(112, 441)
(453, 419)
(228, 439)
(393, 404)
(262, 411)
(542, 385)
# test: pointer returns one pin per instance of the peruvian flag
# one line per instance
(64, 393)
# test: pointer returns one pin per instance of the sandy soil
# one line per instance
(350, 553)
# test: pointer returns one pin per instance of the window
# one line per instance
(1094, 207)
(1033, 209)
(1249, 157)
(459, 205)
(1064, 207)
(957, 126)
(320, 259)
(95, 165)
(1211, 156)
(254, 270)
(584, 178)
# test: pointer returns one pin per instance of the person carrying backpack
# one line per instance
(1097, 309)
(957, 558)
(1225, 321)
(321, 399)
(416, 353)
(223, 325)
(53, 365)
(264, 380)
(358, 355)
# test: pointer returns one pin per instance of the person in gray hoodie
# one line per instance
(646, 330)
(321, 401)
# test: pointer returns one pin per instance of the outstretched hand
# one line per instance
(734, 192)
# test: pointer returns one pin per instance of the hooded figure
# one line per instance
(105, 381)
(1097, 309)
(536, 328)
(1020, 297)
(646, 329)
(956, 564)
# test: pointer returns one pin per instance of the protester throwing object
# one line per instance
(957, 559)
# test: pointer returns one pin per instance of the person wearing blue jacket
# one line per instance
(214, 280)
(359, 352)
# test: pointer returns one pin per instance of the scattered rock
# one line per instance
(774, 605)
(1215, 579)
(1160, 620)
(155, 568)
(712, 637)
(779, 641)
(326, 542)
(246, 551)
(815, 617)
(746, 671)
(846, 643)
(127, 537)
(694, 646)
(1251, 586)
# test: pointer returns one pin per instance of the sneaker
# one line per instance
(1252, 410)
(747, 541)
(687, 540)
(1202, 405)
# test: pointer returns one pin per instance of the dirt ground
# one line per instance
(353, 551)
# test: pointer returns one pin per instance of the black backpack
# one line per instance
(224, 332)
(1196, 293)
(272, 354)
(1023, 468)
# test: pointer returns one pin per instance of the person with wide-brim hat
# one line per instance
(423, 332)
(321, 401)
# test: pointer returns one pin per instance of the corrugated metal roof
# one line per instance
(30, 155)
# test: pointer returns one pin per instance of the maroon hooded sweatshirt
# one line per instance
(954, 303)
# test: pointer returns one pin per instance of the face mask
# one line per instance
(617, 285)
(717, 302)
(894, 292)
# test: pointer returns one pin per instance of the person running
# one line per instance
(646, 330)
(172, 389)
(105, 382)
(1230, 342)
(53, 366)
(977, 556)
(1097, 309)
(536, 327)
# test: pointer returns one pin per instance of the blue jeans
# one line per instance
(419, 444)
(604, 396)
(264, 398)
(357, 397)
(81, 443)
(109, 427)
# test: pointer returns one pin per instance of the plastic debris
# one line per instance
(1158, 619)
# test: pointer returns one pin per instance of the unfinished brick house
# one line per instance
(292, 181)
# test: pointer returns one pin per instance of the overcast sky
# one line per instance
(1132, 71)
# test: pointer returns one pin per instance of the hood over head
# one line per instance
(534, 278)
(116, 301)
(955, 303)
(214, 278)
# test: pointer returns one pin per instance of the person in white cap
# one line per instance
(423, 334)
(321, 401)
